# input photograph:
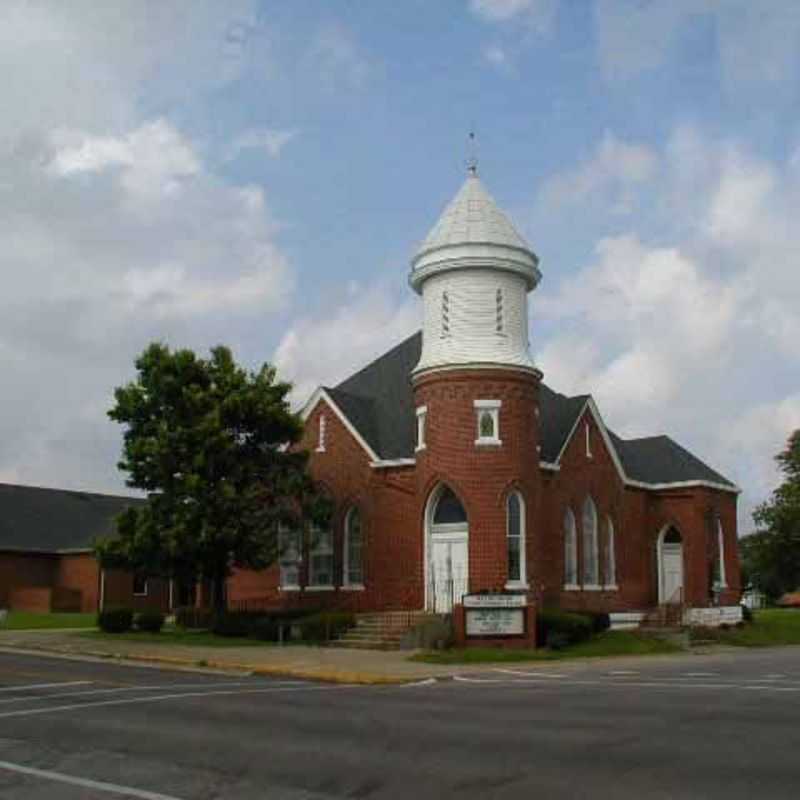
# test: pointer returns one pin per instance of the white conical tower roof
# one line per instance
(473, 216)
(473, 231)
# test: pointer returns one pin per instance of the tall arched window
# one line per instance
(353, 550)
(570, 551)
(611, 556)
(515, 538)
(591, 578)
(720, 578)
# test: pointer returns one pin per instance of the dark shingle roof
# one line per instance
(51, 520)
(659, 459)
(379, 403)
(380, 397)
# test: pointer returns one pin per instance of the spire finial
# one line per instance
(472, 158)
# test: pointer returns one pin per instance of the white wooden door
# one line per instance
(448, 572)
(672, 573)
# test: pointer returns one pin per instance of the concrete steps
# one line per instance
(380, 630)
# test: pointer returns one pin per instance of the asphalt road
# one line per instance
(723, 726)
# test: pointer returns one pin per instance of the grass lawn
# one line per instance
(29, 621)
(610, 643)
(176, 636)
(770, 627)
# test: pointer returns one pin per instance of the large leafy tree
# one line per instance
(771, 556)
(212, 446)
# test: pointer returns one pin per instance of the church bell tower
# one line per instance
(476, 391)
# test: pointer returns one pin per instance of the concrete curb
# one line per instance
(324, 675)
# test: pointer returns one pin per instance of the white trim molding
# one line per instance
(386, 463)
(321, 394)
(591, 406)
(493, 408)
(422, 419)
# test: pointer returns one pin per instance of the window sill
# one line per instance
(512, 586)
(571, 587)
(592, 587)
(288, 588)
(488, 442)
(320, 588)
(612, 587)
(319, 450)
(353, 587)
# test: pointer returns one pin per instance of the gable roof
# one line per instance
(660, 459)
(35, 519)
(378, 402)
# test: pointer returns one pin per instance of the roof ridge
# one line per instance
(70, 491)
(372, 363)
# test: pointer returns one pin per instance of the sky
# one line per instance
(258, 174)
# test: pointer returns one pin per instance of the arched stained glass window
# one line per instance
(353, 550)
(449, 510)
(515, 533)
(570, 549)
(611, 555)
(591, 575)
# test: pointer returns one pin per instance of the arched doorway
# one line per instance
(447, 551)
(670, 566)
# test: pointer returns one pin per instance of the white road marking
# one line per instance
(30, 712)
(698, 675)
(530, 674)
(99, 786)
(624, 672)
(32, 686)
(424, 682)
(642, 684)
(139, 688)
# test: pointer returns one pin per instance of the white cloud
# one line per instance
(538, 14)
(695, 333)
(614, 169)
(270, 140)
(116, 230)
(324, 350)
(756, 42)
(153, 158)
(336, 59)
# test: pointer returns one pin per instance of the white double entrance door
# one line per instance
(671, 573)
(448, 567)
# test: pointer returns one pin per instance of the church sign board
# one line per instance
(495, 615)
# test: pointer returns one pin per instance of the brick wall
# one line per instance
(80, 573)
(393, 502)
(481, 475)
(24, 570)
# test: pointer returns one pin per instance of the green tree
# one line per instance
(771, 556)
(212, 446)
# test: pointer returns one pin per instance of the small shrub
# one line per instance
(266, 629)
(232, 623)
(557, 641)
(194, 618)
(573, 627)
(326, 626)
(600, 620)
(747, 614)
(115, 620)
(150, 621)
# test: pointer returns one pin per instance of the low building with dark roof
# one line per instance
(46, 557)
(455, 469)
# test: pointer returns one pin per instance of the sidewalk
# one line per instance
(315, 663)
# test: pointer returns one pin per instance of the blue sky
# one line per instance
(258, 173)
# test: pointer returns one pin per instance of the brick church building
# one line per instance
(454, 468)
